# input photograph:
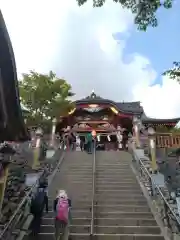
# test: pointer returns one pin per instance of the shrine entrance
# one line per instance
(95, 113)
(100, 115)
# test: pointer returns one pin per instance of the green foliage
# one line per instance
(144, 10)
(174, 73)
(164, 129)
(175, 130)
(45, 96)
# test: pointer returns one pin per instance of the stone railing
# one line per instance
(164, 205)
(19, 222)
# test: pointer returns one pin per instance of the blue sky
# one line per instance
(80, 48)
(162, 44)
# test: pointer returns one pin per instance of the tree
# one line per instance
(174, 73)
(144, 10)
(175, 130)
(45, 96)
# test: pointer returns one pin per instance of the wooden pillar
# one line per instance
(3, 180)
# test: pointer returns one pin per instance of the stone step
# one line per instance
(119, 193)
(111, 164)
(123, 187)
(114, 175)
(109, 221)
(110, 214)
(107, 179)
(109, 175)
(107, 208)
(103, 162)
(114, 167)
(115, 171)
(112, 192)
(117, 181)
(78, 236)
(119, 201)
(108, 185)
(107, 197)
(122, 183)
(106, 229)
(119, 237)
(116, 191)
(76, 164)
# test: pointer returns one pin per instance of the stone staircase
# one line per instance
(121, 211)
(75, 176)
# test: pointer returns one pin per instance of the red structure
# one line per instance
(106, 116)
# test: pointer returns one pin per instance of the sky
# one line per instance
(98, 49)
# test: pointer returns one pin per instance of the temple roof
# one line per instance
(125, 107)
(146, 119)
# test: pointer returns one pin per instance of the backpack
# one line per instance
(37, 203)
(62, 210)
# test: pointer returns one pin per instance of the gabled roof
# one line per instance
(126, 107)
(134, 107)
(146, 119)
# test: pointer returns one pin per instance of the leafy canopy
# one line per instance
(45, 96)
(174, 73)
(144, 10)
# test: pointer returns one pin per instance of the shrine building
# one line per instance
(106, 116)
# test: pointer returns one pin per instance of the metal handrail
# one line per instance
(22, 203)
(18, 209)
(145, 171)
(93, 189)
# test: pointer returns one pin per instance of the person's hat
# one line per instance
(62, 194)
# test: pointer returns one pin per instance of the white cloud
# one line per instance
(77, 43)
(162, 101)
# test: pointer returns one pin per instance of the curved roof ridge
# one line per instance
(144, 117)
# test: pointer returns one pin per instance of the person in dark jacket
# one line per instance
(82, 143)
(38, 203)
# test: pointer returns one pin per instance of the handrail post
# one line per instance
(93, 188)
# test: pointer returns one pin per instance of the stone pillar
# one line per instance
(37, 149)
(152, 146)
(54, 121)
(136, 129)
